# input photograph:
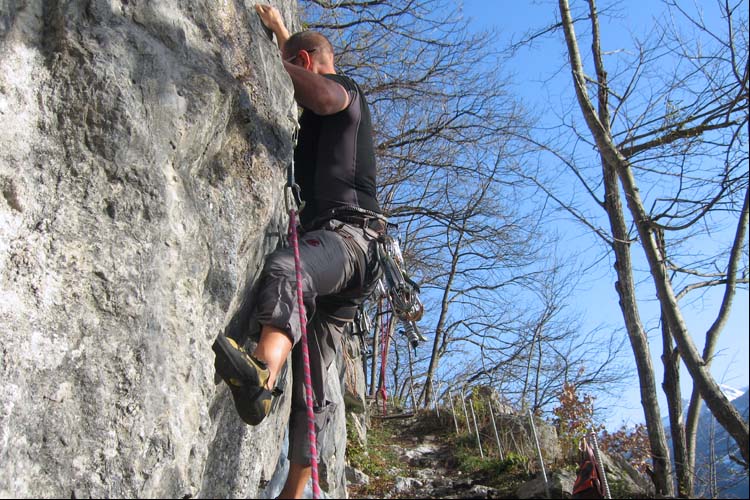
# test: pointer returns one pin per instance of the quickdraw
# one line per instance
(402, 292)
(411, 330)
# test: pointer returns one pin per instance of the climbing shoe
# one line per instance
(246, 377)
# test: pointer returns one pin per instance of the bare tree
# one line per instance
(547, 348)
(687, 141)
(485, 253)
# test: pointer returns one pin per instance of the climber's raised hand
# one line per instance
(271, 18)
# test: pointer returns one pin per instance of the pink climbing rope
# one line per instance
(305, 355)
(385, 336)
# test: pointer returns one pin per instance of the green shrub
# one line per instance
(377, 459)
(514, 463)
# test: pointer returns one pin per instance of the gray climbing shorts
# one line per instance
(339, 271)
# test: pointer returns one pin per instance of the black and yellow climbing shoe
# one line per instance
(246, 377)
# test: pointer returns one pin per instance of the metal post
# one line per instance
(592, 436)
(494, 427)
(476, 427)
(453, 410)
(434, 399)
(411, 379)
(375, 350)
(466, 413)
(539, 453)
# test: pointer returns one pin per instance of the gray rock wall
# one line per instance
(143, 147)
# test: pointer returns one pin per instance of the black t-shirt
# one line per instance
(335, 158)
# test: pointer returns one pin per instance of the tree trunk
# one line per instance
(712, 336)
(625, 285)
(426, 396)
(720, 407)
(671, 359)
(724, 412)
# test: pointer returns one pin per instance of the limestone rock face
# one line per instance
(143, 153)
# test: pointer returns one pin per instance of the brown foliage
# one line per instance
(574, 419)
(632, 444)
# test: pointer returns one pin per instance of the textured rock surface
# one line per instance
(142, 157)
(559, 485)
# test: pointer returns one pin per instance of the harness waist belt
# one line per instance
(377, 225)
(355, 216)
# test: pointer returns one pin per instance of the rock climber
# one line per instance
(340, 222)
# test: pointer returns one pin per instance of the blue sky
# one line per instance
(539, 76)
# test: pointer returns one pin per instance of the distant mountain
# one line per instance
(732, 393)
(731, 478)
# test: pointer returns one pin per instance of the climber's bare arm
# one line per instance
(315, 92)
(311, 90)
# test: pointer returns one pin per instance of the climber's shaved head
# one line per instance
(316, 45)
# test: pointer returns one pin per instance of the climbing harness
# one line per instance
(292, 200)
